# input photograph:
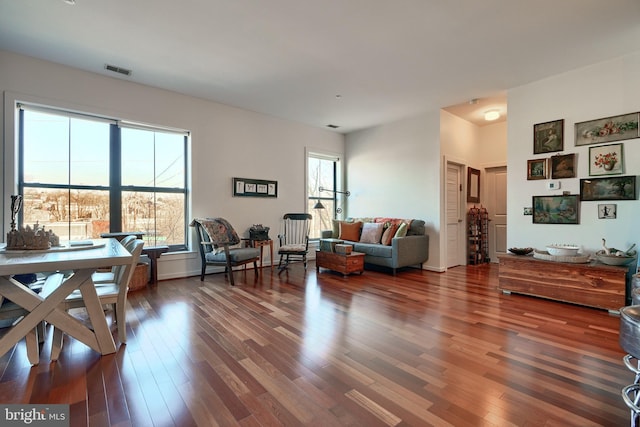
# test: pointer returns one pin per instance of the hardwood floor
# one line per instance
(300, 349)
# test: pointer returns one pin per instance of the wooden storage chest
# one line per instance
(592, 284)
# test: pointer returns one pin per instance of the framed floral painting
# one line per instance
(609, 129)
(606, 160)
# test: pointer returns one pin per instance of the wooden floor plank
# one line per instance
(305, 349)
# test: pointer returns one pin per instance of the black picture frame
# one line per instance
(548, 137)
(609, 188)
(248, 187)
(563, 209)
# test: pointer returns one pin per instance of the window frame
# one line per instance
(115, 187)
(313, 195)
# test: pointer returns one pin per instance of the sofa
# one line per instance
(385, 241)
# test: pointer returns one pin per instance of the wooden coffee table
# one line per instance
(345, 264)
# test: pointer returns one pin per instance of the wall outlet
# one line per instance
(553, 185)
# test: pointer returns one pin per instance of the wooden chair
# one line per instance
(110, 276)
(215, 236)
(294, 240)
(114, 293)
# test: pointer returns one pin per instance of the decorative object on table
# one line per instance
(608, 129)
(610, 188)
(612, 256)
(27, 238)
(258, 232)
(563, 166)
(563, 250)
(473, 185)
(556, 209)
(343, 249)
(247, 187)
(548, 137)
(607, 211)
(617, 252)
(573, 259)
(606, 160)
(536, 169)
(521, 251)
(329, 245)
(16, 205)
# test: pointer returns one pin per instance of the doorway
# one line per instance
(454, 203)
(496, 197)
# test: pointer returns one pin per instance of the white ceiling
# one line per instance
(387, 59)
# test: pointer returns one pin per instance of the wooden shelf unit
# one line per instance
(478, 235)
(592, 284)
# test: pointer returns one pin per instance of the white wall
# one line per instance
(394, 170)
(598, 91)
(226, 142)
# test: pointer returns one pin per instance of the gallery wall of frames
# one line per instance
(606, 181)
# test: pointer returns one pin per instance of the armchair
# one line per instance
(215, 236)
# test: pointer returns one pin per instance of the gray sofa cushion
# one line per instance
(373, 249)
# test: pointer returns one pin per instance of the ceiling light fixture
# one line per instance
(70, 2)
(491, 115)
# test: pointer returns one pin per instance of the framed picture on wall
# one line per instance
(473, 185)
(563, 166)
(548, 137)
(610, 188)
(536, 169)
(609, 129)
(606, 160)
(556, 209)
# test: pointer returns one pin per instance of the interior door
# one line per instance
(455, 235)
(496, 196)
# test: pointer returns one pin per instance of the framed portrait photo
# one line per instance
(548, 137)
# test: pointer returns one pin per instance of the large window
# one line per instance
(323, 205)
(82, 176)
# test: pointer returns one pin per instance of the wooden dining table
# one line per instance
(79, 258)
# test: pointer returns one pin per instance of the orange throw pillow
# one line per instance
(388, 234)
(349, 231)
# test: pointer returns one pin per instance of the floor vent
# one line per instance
(118, 70)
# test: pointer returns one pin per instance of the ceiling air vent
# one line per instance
(118, 70)
(333, 126)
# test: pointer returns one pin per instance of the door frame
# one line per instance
(462, 248)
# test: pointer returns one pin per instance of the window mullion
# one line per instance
(115, 179)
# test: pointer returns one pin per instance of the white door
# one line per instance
(455, 235)
(496, 197)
